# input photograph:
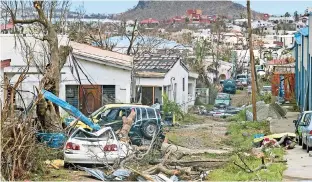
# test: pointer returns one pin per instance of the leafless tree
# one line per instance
(41, 18)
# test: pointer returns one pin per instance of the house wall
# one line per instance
(150, 81)
(303, 71)
(178, 72)
(11, 48)
(191, 91)
(100, 74)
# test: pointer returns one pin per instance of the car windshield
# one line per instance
(110, 114)
(223, 96)
(96, 112)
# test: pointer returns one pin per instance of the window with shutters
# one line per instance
(108, 94)
(72, 95)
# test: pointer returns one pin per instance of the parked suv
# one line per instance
(147, 121)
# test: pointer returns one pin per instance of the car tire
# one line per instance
(148, 129)
(304, 146)
(308, 147)
(300, 141)
(66, 165)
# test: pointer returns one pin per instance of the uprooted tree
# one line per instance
(40, 22)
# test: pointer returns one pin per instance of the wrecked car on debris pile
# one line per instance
(146, 123)
(101, 147)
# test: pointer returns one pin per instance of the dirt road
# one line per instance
(240, 98)
(298, 161)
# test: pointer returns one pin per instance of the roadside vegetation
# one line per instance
(241, 134)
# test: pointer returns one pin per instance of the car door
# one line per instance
(305, 127)
(299, 120)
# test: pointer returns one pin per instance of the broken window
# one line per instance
(144, 114)
(151, 113)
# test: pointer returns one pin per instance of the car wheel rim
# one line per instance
(150, 129)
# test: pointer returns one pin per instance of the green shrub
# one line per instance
(171, 106)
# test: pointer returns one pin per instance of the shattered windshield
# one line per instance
(84, 135)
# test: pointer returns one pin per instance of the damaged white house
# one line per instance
(163, 74)
(90, 78)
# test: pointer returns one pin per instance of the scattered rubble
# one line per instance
(266, 111)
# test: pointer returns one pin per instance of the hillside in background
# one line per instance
(161, 10)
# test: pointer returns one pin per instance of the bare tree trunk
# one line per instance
(48, 114)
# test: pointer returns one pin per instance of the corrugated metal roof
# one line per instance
(155, 63)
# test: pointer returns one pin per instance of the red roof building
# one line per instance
(149, 21)
(5, 63)
(278, 62)
(265, 17)
(7, 26)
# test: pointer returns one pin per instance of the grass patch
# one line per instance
(241, 116)
(241, 138)
(191, 119)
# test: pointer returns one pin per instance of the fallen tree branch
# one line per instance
(182, 151)
(178, 162)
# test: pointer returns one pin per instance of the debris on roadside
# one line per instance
(275, 140)
(95, 173)
(55, 163)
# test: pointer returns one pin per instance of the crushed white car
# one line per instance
(101, 147)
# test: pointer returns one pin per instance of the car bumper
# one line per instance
(75, 158)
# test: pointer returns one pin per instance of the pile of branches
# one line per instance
(19, 147)
(18, 154)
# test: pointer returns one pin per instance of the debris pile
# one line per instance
(265, 111)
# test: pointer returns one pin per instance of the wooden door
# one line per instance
(90, 98)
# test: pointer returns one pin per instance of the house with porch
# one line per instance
(302, 52)
(90, 78)
(156, 75)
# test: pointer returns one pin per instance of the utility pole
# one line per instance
(252, 61)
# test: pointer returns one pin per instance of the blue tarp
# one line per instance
(53, 140)
(70, 109)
